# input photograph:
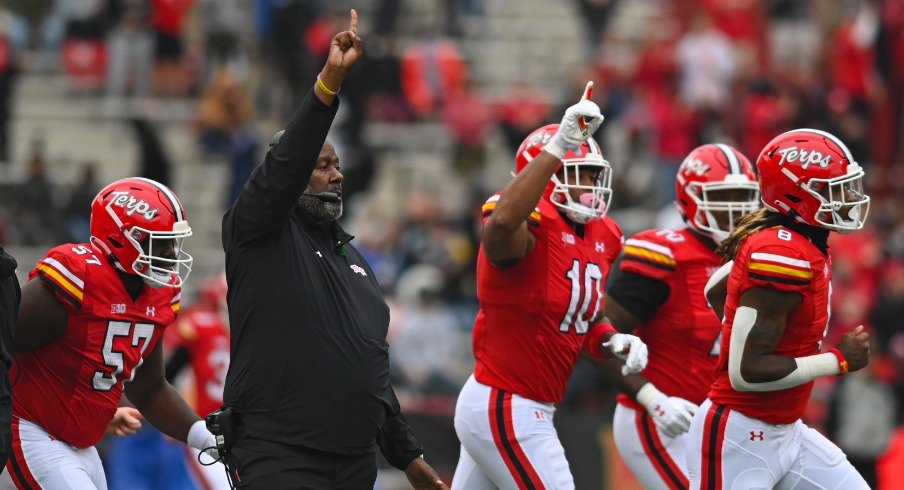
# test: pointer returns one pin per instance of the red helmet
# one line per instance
(133, 212)
(214, 290)
(705, 176)
(586, 156)
(811, 175)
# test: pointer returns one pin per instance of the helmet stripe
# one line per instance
(734, 166)
(174, 201)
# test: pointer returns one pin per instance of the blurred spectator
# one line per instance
(888, 468)
(131, 47)
(225, 122)
(764, 114)
(169, 46)
(382, 84)
(9, 68)
(707, 64)
(468, 117)
(428, 344)
(223, 21)
(84, 50)
(595, 14)
(77, 211)
(887, 316)
(427, 238)
(677, 131)
(523, 109)
(432, 71)
(863, 438)
(153, 162)
(36, 211)
(794, 39)
(294, 63)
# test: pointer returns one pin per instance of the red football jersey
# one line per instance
(534, 315)
(72, 385)
(206, 337)
(683, 334)
(785, 260)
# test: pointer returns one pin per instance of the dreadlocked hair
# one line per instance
(749, 223)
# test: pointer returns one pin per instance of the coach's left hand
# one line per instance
(421, 475)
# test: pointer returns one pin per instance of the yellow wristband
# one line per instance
(325, 88)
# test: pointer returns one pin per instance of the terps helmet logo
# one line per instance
(132, 205)
(804, 156)
(694, 166)
(540, 138)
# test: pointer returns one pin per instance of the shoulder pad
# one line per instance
(778, 258)
(649, 253)
(64, 269)
(490, 204)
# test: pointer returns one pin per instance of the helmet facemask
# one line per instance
(595, 195)
(844, 206)
(735, 197)
(155, 269)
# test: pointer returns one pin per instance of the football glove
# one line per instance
(570, 134)
(671, 414)
(200, 438)
(629, 348)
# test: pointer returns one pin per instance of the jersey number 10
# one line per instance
(586, 292)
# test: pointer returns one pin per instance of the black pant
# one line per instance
(271, 465)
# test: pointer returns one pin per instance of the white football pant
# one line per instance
(40, 461)
(727, 449)
(657, 461)
(507, 442)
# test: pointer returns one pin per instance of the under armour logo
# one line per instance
(600, 247)
(539, 415)
(659, 411)
(150, 311)
(754, 435)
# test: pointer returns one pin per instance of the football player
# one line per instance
(657, 293)
(91, 315)
(748, 433)
(546, 248)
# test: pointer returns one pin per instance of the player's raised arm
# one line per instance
(505, 237)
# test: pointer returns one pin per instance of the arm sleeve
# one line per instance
(395, 439)
(176, 362)
(273, 188)
(639, 294)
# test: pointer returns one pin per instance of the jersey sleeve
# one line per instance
(649, 255)
(487, 209)
(777, 266)
(64, 273)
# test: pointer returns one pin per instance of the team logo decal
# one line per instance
(358, 270)
(694, 166)
(805, 157)
(133, 205)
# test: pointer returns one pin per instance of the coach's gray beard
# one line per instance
(321, 210)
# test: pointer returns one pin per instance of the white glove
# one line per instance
(671, 414)
(203, 440)
(631, 349)
(570, 134)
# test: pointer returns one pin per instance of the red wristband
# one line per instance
(842, 362)
(593, 341)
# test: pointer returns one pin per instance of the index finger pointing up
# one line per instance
(353, 22)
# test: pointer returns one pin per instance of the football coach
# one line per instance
(308, 390)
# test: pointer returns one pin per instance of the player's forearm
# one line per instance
(522, 195)
(610, 370)
(166, 410)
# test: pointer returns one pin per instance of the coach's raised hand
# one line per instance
(345, 50)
